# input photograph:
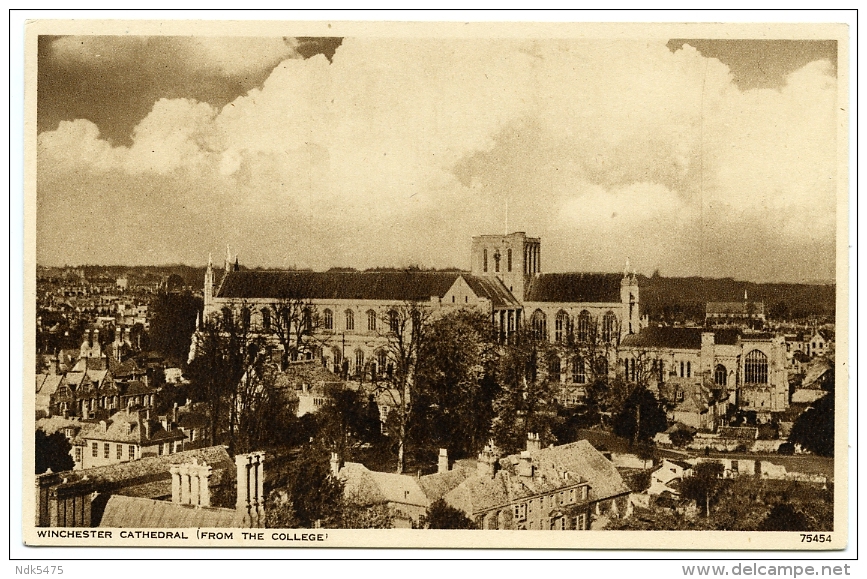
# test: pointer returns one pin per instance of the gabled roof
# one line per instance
(678, 338)
(125, 512)
(574, 287)
(150, 476)
(397, 286)
(580, 460)
(127, 426)
(367, 487)
(491, 288)
(435, 486)
(124, 369)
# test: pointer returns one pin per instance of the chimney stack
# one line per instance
(534, 443)
(443, 461)
(525, 465)
(175, 413)
(487, 463)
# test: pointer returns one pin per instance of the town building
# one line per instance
(704, 367)
(746, 314)
(567, 487)
(169, 491)
(350, 314)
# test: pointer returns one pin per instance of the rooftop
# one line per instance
(574, 287)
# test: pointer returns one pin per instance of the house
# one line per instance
(819, 343)
(668, 476)
(746, 314)
(310, 383)
(699, 405)
(400, 493)
(128, 435)
(568, 487)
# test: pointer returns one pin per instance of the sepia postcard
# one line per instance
(436, 285)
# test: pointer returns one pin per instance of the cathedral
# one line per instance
(352, 312)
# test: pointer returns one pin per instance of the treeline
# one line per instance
(673, 298)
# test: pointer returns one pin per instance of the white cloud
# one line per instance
(615, 137)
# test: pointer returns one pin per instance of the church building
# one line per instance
(352, 313)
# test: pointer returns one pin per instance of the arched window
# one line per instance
(393, 322)
(350, 320)
(307, 321)
(338, 359)
(756, 368)
(540, 325)
(509, 259)
(720, 375)
(609, 326)
(266, 319)
(578, 374)
(560, 324)
(485, 260)
(371, 320)
(382, 359)
(584, 326)
(359, 362)
(245, 318)
(227, 317)
(329, 319)
(554, 368)
(689, 369)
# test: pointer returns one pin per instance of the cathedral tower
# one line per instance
(513, 258)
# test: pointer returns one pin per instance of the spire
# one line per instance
(626, 269)
(745, 295)
(237, 266)
(210, 261)
(198, 321)
(228, 259)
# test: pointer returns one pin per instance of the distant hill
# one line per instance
(669, 297)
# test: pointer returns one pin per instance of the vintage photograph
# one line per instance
(297, 281)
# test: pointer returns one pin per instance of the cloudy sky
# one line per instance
(692, 157)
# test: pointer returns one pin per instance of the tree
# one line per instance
(704, 484)
(406, 332)
(307, 494)
(640, 417)
(224, 352)
(814, 429)
(455, 384)
(345, 419)
(441, 515)
(354, 516)
(784, 517)
(294, 322)
(526, 402)
(681, 437)
(264, 415)
(173, 323)
(52, 451)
